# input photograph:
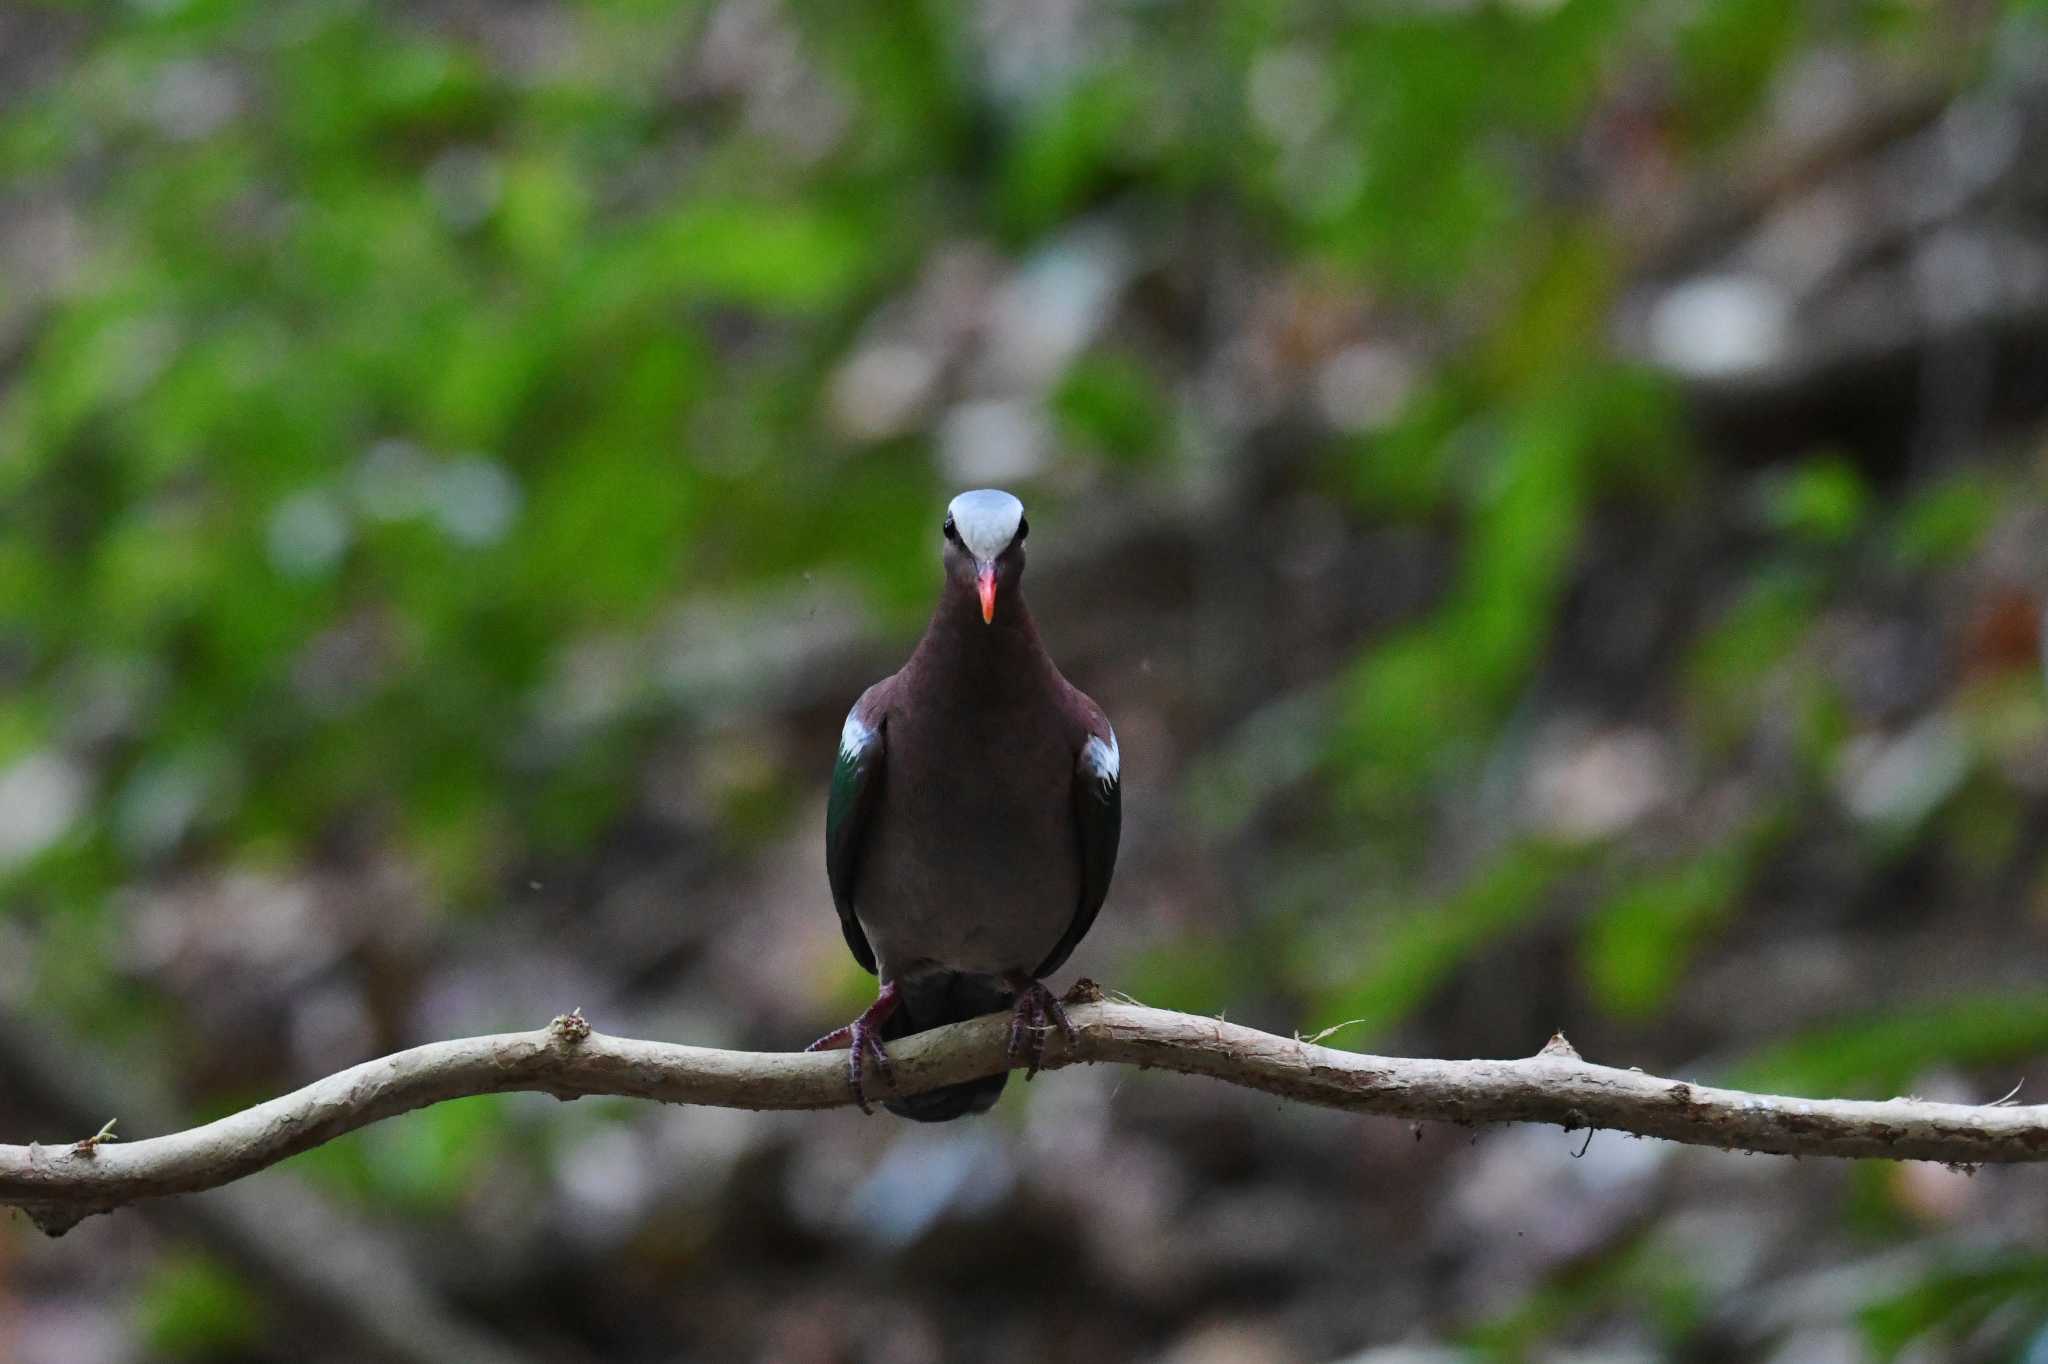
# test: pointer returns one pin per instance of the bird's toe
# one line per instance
(867, 1042)
(871, 1038)
(862, 1038)
(1057, 1012)
(857, 1082)
(833, 1040)
(1035, 1014)
(1017, 1024)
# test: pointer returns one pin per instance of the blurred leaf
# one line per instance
(1727, 55)
(1879, 1056)
(1408, 471)
(193, 1307)
(1277, 746)
(1629, 1273)
(425, 1164)
(1941, 525)
(1983, 827)
(1109, 402)
(1732, 657)
(1187, 977)
(1410, 700)
(1823, 500)
(1418, 946)
(914, 98)
(791, 257)
(1949, 1306)
(1637, 943)
(1568, 289)
(1066, 148)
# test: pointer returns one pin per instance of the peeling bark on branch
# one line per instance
(59, 1185)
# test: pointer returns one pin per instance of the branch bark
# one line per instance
(59, 1185)
(347, 1289)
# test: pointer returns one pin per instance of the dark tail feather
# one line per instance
(932, 1000)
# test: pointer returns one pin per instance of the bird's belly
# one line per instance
(989, 883)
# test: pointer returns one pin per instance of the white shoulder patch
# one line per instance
(853, 735)
(1103, 760)
(987, 520)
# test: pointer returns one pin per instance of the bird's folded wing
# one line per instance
(1098, 824)
(856, 788)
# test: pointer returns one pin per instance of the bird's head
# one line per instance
(984, 553)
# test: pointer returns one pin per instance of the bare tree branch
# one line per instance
(58, 1185)
(348, 1290)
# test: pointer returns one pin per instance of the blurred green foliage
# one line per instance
(1110, 404)
(252, 424)
(1952, 1307)
(417, 1167)
(194, 1308)
(1645, 1278)
(1878, 1056)
(1418, 946)
(408, 347)
(1639, 940)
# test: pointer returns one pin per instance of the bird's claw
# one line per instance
(862, 1038)
(1037, 1011)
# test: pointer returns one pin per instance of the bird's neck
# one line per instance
(1001, 655)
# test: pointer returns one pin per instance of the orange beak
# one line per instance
(985, 583)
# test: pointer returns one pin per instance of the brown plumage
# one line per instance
(975, 815)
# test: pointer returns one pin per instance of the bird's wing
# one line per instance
(856, 789)
(1098, 823)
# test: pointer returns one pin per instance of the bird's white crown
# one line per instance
(987, 520)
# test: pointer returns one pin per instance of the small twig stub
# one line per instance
(86, 1146)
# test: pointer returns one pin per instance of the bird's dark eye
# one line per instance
(1023, 528)
(952, 531)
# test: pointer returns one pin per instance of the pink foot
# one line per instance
(863, 1038)
(1038, 1011)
